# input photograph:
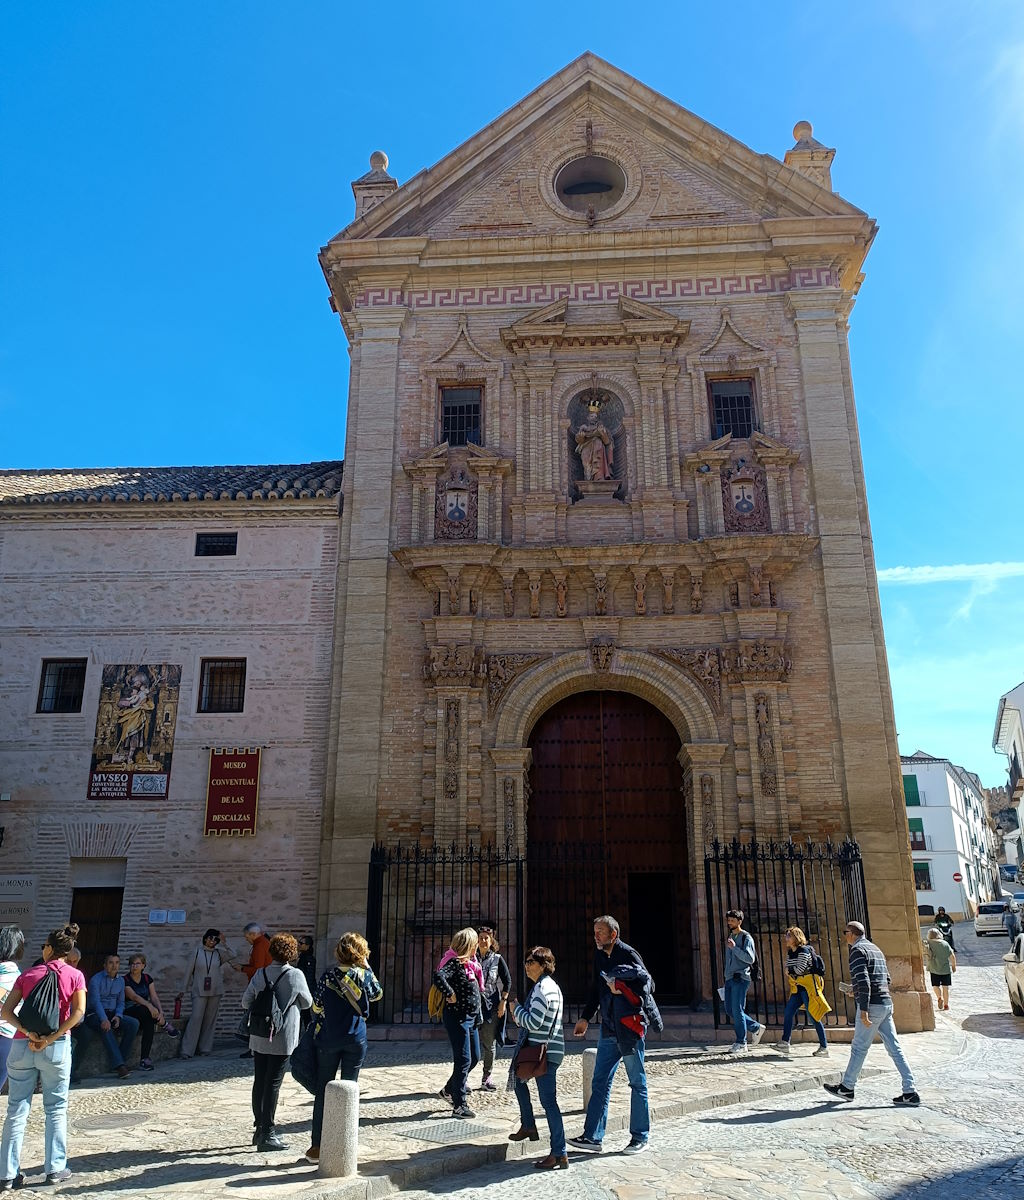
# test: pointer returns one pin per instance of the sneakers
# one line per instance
(910, 1099)
(10, 1185)
(821, 1052)
(636, 1146)
(145, 1064)
(445, 1094)
(840, 1092)
(488, 1085)
(738, 1048)
(123, 1071)
(585, 1143)
(313, 1154)
(782, 1048)
(757, 1035)
(463, 1112)
(58, 1176)
(171, 1031)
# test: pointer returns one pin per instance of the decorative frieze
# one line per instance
(703, 664)
(761, 660)
(765, 746)
(458, 665)
(502, 670)
(601, 651)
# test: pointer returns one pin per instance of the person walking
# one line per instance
(459, 977)
(306, 962)
(341, 1004)
(497, 980)
(271, 1054)
(539, 1018)
(12, 950)
(143, 1003)
(43, 1059)
(940, 960)
(1011, 920)
(205, 980)
(740, 955)
(105, 1015)
(869, 977)
(944, 923)
(614, 959)
(805, 991)
(259, 957)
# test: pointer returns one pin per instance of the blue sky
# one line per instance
(172, 168)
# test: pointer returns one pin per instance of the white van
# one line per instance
(990, 917)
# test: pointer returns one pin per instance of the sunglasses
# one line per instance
(485, 929)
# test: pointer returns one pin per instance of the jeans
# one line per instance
(548, 1094)
(6, 1043)
(488, 1031)
(608, 1056)
(797, 1001)
(864, 1035)
(268, 1072)
(735, 998)
(52, 1067)
(117, 1051)
(465, 1054)
(350, 1058)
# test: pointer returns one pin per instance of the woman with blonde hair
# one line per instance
(459, 978)
(341, 1004)
(805, 991)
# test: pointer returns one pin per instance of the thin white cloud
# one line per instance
(981, 573)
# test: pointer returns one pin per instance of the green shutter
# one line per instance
(915, 824)
(910, 791)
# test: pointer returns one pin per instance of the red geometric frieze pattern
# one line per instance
(699, 287)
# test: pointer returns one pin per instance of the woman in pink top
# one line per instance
(45, 1058)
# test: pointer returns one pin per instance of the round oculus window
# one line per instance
(590, 182)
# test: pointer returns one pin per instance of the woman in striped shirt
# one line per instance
(805, 991)
(540, 1022)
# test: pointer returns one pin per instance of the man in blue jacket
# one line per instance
(612, 957)
(104, 1014)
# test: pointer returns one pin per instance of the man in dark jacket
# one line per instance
(613, 960)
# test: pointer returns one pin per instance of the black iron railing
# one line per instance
(818, 887)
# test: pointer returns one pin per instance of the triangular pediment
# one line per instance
(728, 340)
(463, 348)
(685, 170)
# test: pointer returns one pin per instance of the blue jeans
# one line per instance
(735, 998)
(6, 1045)
(864, 1035)
(797, 1001)
(608, 1056)
(52, 1067)
(117, 1049)
(547, 1093)
(465, 1054)
(349, 1057)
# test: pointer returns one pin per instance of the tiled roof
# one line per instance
(111, 485)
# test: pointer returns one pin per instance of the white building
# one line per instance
(1008, 739)
(949, 835)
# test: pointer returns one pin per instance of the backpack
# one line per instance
(817, 963)
(755, 966)
(435, 1003)
(40, 1010)
(266, 1017)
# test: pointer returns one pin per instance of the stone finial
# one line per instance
(809, 156)
(376, 185)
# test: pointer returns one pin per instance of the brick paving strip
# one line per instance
(186, 1129)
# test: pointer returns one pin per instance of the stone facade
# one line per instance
(101, 566)
(600, 254)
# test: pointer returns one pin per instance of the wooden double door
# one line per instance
(607, 793)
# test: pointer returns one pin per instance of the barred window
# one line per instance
(61, 685)
(216, 545)
(460, 415)
(732, 407)
(221, 685)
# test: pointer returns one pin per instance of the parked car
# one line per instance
(990, 917)
(1013, 970)
(1008, 872)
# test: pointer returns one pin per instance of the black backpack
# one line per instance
(40, 1010)
(266, 1017)
(817, 963)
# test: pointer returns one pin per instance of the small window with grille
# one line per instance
(460, 415)
(732, 407)
(61, 685)
(221, 685)
(216, 545)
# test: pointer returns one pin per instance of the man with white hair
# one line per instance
(259, 957)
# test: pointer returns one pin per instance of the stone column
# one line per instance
(702, 765)
(350, 802)
(511, 764)
(869, 767)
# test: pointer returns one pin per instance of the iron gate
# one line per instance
(816, 886)
(417, 898)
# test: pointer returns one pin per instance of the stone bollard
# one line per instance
(339, 1145)
(589, 1062)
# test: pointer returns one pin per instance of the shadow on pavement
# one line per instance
(994, 1025)
(771, 1118)
(994, 1180)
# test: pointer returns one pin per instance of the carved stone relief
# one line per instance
(509, 794)
(534, 595)
(745, 498)
(601, 651)
(452, 721)
(707, 801)
(765, 745)
(640, 593)
(454, 664)
(561, 595)
(502, 669)
(696, 595)
(703, 665)
(455, 506)
(600, 593)
(762, 660)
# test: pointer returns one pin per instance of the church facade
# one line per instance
(606, 571)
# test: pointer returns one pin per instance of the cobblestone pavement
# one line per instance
(185, 1130)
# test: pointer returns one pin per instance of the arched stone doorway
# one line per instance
(606, 788)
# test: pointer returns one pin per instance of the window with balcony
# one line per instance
(923, 876)
(917, 839)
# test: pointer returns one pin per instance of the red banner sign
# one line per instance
(232, 791)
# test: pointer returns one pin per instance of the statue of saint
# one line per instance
(594, 446)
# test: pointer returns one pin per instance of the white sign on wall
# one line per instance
(17, 900)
